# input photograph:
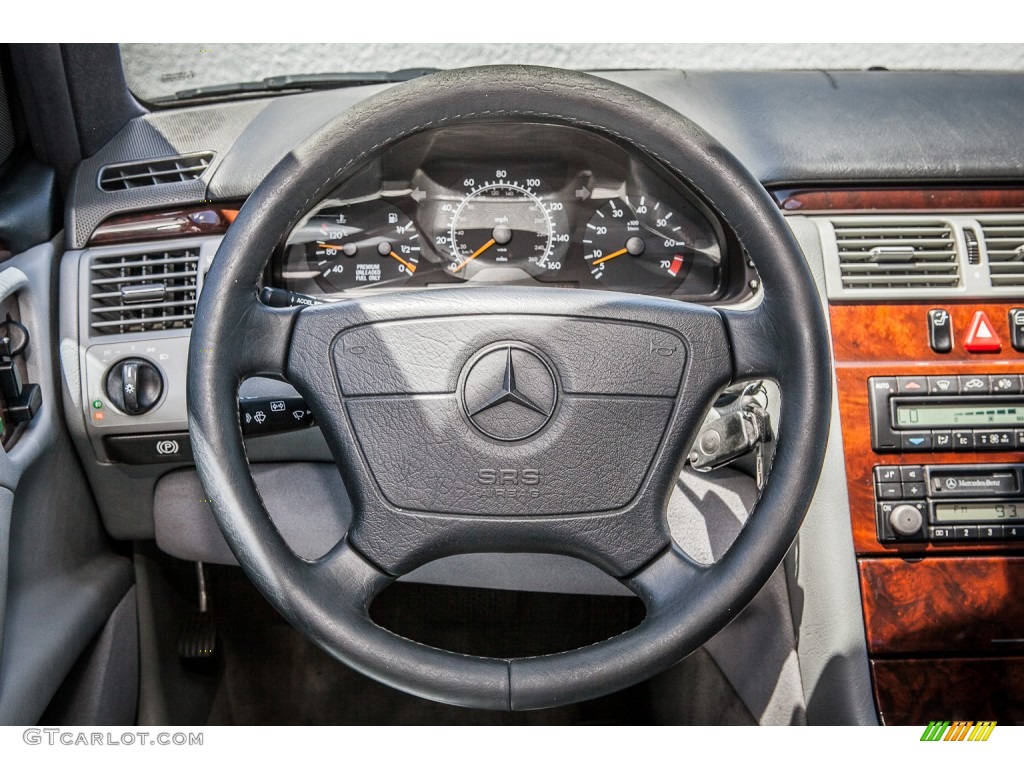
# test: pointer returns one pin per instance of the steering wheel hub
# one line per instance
(509, 391)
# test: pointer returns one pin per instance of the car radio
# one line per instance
(976, 412)
(950, 502)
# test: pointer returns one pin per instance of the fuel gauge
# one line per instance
(358, 245)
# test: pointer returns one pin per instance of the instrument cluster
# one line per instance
(521, 204)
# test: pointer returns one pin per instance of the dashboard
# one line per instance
(513, 204)
(536, 204)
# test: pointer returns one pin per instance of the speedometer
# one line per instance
(503, 221)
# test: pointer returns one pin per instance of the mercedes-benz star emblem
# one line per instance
(508, 392)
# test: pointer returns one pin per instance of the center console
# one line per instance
(927, 318)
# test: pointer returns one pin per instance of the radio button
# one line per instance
(1005, 384)
(913, 490)
(911, 474)
(916, 441)
(973, 385)
(912, 385)
(1019, 438)
(906, 520)
(990, 532)
(887, 474)
(963, 440)
(890, 491)
(965, 532)
(942, 439)
(1013, 532)
(941, 533)
(943, 385)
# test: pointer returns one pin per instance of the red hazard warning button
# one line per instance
(981, 336)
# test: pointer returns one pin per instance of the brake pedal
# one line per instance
(198, 639)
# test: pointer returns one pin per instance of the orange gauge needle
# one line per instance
(610, 256)
(403, 262)
(328, 245)
(476, 253)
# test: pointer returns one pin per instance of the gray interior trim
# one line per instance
(825, 596)
(103, 687)
(60, 588)
(6, 508)
(307, 502)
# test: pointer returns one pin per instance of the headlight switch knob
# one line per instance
(134, 385)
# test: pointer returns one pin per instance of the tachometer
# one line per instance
(503, 222)
(357, 245)
(637, 246)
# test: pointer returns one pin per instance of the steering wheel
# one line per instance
(583, 402)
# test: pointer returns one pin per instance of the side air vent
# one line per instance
(143, 291)
(1004, 239)
(149, 173)
(918, 253)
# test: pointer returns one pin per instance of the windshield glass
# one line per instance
(158, 72)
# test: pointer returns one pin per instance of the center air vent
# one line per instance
(143, 291)
(149, 173)
(1004, 239)
(916, 253)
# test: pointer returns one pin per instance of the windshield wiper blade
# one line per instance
(303, 82)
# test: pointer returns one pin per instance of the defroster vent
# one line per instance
(152, 291)
(149, 173)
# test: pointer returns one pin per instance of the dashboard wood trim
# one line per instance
(892, 340)
(891, 200)
(946, 602)
(917, 691)
(164, 224)
(943, 605)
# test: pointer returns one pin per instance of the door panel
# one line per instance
(60, 580)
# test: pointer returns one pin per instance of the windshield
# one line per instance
(160, 72)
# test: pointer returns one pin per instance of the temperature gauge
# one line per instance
(359, 245)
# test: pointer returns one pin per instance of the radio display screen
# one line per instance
(995, 415)
(977, 512)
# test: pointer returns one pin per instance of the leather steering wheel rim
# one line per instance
(235, 336)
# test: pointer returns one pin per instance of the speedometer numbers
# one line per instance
(357, 245)
(502, 222)
(636, 245)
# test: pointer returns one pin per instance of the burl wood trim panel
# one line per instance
(917, 691)
(160, 225)
(946, 605)
(892, 340)
(886, 200)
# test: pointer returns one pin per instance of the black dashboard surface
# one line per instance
(786, 127)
